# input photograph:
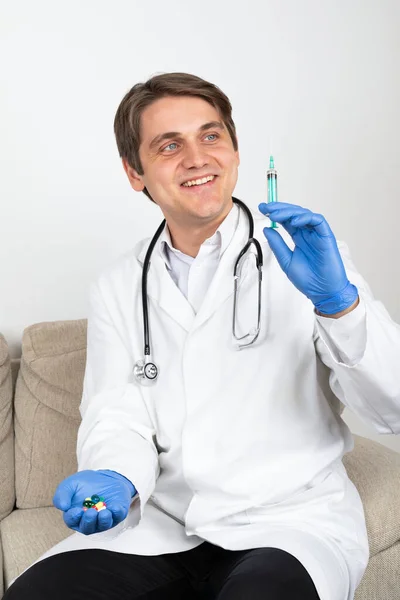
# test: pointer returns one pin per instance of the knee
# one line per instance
(48, 578)
(33, 584)
(269, 573)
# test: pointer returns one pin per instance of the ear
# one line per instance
(134, 178)
(237, 156)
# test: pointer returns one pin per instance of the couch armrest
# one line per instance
(375, 471)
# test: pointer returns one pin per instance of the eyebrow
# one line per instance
(172, 134)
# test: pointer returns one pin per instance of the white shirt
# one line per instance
(193, 275)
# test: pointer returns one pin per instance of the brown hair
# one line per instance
(128, 115)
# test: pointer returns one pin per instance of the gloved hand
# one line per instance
(315, 266)
(116, 490)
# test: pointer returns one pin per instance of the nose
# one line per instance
(194, 157)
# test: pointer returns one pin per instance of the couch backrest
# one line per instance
(15, 362)
(46, 403)
(7, 494)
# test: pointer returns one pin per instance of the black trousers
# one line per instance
(205, 572)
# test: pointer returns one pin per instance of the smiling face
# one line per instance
(183, 139)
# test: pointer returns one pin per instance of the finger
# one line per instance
(279, 248)
(119, 513)
(72, 517)
(104, 520)
(287, 225)
(314, 220)
(265, 207)
(88, 523)
(281, 212)
(286, 214)
(298, 216)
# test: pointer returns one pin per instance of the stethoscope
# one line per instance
(146, 371)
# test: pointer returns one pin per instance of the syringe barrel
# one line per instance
(272, 180)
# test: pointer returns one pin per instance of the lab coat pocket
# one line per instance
(238, 518)
(329, 505)
(304, 501)
(235, 519)
(287, 508)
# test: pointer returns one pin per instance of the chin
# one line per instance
(213, 207)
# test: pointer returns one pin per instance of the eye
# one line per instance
(169, 146)
(214, 135)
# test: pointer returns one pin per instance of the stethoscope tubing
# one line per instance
(146, 265)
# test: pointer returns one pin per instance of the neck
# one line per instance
(188, 239)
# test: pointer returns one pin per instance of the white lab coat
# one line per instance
(240, 448)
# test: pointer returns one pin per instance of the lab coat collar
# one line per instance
(221, 238)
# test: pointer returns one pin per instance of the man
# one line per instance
(224, 478)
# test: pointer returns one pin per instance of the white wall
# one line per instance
(315, 82)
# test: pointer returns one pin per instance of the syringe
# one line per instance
(272, 181)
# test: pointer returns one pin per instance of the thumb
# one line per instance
(62, 497)
(279, 247)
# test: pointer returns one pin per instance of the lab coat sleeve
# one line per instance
(116, 431)
(362, 349)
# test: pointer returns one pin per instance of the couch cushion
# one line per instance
(47, 398)
(375, 471)
(26, 534)
(7, 494)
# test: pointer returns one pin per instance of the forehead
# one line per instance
(185, 114)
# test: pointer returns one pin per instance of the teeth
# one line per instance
(198, 181)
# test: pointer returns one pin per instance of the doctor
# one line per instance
(223, 478)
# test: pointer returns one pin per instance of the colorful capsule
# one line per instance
(95, 501)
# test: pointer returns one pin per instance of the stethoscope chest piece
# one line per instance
(145, 373)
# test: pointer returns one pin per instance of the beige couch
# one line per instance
(39, 418)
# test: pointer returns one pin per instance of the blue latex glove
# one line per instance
(315, 266)
(116, 490)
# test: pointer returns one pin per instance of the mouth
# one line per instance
(198, 184)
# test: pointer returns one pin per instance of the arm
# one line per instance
(361, 346)
(362, 349)
(116, 432)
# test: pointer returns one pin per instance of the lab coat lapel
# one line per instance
(162, 289)
(222, 284)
